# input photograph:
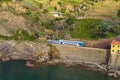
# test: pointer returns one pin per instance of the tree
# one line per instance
(41, 6)
(70, 20)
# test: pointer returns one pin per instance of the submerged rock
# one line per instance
(30, 64)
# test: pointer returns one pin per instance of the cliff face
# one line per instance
(13, 50)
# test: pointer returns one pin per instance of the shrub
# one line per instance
(45, 11)
(70, 20)
(40, 5)
(118, 13)
(20, 34)
(5, 0)
(85, 28)
(94, 29)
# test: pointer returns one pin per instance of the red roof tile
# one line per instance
(114, 42)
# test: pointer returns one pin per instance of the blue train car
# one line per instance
(75, 43)
(81, 43)
(53, 41)
(68, 42)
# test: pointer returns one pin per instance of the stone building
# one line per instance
(115, 54)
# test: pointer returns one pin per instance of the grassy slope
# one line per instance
(104, 10)
(85, 28)
(31, 11)
(109, 26)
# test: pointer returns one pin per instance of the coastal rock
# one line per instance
(30, 64)
(113, 73)
(80, 64)
(23, 50)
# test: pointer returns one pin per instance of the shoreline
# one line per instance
(57, 54)
(79, 64)
(70, 63)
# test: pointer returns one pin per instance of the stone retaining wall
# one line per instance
(114, 62)
(84, 54)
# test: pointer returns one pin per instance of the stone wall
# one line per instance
(118, 62)
(84, 54)
(114, 62)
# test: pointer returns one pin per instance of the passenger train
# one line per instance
(68, 42)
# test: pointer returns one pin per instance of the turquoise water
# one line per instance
(16, 70)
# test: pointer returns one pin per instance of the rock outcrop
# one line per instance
(24, 50)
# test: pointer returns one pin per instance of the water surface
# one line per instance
(16, 70)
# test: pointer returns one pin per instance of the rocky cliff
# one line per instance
(23, 50)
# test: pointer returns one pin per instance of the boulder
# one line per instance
(29, 64)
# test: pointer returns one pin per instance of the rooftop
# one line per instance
(115, 42)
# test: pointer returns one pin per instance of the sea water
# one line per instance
(16, 70)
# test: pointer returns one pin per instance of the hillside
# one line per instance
(104, 10)
(59, 19)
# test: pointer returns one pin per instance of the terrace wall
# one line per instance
(84, 54)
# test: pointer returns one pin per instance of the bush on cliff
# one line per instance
(93, 29)
(20, 34)
(85, 28)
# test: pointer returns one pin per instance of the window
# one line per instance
(112, 50)
(118, 50)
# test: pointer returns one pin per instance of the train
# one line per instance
(68, 42)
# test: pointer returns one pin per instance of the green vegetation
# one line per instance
(93, 29)
(19, 35)
(118, 13)
(5, 0)
(85, 28)
(84, 19)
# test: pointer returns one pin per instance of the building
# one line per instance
(67, 42)
(115, 46)
(56, 14)
(115, 54)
